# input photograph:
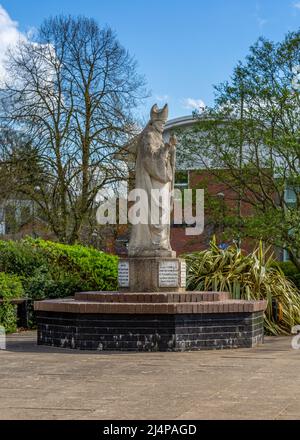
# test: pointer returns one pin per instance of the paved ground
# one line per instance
(48, 383)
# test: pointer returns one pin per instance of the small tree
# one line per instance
(73, 91)
(250, 141)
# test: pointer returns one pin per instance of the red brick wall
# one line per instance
(182, 243)
(208, 181)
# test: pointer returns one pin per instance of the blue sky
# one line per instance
(183, 47)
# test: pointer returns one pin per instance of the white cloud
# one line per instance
(193, 104)
(9, 35)
(261, 21)
(297, 5)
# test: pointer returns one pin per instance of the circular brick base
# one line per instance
(150, 321)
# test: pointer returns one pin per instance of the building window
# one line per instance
(290, 195)
(181, 183)
(286, 256)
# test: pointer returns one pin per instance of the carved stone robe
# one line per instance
(154, 170)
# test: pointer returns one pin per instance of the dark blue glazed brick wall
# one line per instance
(130, 332)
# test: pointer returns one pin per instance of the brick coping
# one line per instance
(151, 297)
(70, 305)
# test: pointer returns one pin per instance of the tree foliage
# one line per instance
(71, 93)
(250, 141)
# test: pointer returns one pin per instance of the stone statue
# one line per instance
(154, 170)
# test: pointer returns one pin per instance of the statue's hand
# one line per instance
(173, 140)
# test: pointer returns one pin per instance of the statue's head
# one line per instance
(159, 117)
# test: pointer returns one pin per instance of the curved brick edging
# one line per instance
(150, 297)
(73, 306)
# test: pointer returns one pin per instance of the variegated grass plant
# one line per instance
(250, 277)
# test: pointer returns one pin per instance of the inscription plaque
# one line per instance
(183, 274)
(123, 274)
(168, 274)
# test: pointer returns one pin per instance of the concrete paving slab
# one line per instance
(39, 382)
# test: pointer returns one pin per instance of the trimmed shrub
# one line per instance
(19, 257)
(10, 287)
(54, 270)
(84, 267)
(43, 285)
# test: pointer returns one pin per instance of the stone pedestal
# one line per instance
(152, 274)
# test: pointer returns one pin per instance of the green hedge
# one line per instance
(89, 268)
(19, 257)
(290, 271)
(10, 287)
(55, 270)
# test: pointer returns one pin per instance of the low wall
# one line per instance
(150, 332)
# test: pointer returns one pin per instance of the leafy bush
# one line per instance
(290, 271)
(87, 268)
(10, 287)
(53, 270)
(43, 285)
(19, 257)
(250, 277)
(8, 317)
